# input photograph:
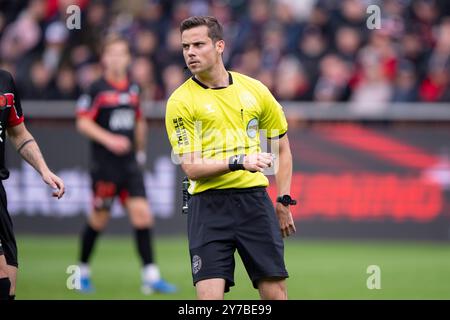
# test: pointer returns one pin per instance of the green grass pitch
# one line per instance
(318, 269)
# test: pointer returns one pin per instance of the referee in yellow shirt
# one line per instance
(213, 121)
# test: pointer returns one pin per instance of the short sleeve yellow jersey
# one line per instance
(222, 122)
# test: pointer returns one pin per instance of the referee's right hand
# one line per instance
(258, 162)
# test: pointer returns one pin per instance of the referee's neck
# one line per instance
(216, 77)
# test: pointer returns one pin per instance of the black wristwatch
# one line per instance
(286, 200)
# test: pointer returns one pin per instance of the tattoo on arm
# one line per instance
(32, 154)
(23, 145)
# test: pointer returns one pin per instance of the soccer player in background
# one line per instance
(213, 123)
(12, 121)
(110, 116)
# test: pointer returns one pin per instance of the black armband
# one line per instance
(236, 162)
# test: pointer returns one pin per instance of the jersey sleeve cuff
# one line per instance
(16, 121)
(279, 136)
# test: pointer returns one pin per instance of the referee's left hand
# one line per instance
(285, 219)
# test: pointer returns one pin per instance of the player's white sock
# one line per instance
(150, 273)
(85, 271)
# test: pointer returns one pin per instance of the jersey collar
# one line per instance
(204, 86)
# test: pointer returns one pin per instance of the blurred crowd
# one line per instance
(303, 50)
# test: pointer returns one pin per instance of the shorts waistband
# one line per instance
(231, 191)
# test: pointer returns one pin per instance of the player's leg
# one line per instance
(96, 223)
(134, 198)
(8, 251)
(12, 275)
(104, 193)
(261, 246)
(142, 222)
(5, 283)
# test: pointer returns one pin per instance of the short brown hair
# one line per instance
(111, 39)
(215, 31)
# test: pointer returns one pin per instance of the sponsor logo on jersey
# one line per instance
(122, 119)
(6, 100)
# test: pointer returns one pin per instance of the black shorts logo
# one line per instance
(196, 264)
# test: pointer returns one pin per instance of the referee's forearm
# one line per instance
(204, 170)
(283, 175)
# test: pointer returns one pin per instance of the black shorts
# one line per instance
(8, 246)
(111, 180)
(221, 221)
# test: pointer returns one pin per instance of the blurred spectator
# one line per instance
(172, 77)
(66, 87)
(172, 52)
(291, 82)
(405, 86)
(56, 35)
(424, 16)
(291, 28)
(412, 49)
(272, 46)
(249, 62)
(335, 56)
(252, 25)
(38, 85)
(347, 42)
(95, 24)
(435, 86)
(87, 73)
(374, 87)
(23, 34)
(146, 43)
(333, 83)
(143, 73)
(267, 77)
(312, 47)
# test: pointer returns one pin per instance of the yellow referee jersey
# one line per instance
(222, 122)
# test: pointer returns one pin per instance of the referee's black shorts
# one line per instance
(221, 221)
(8, 245)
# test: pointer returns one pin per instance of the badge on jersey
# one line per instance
(252, 128)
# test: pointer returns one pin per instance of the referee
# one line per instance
(213, 122)
(12, 120)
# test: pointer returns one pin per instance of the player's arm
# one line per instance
(117, 144)
(27, 147)
(283, 176)
(140, 134)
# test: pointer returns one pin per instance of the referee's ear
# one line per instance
(220, 46)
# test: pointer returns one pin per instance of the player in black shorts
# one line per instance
(109, 115)
(12, 121)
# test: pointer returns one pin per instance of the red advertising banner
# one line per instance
(370, 173)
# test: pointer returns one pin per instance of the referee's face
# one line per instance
(200, 53)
